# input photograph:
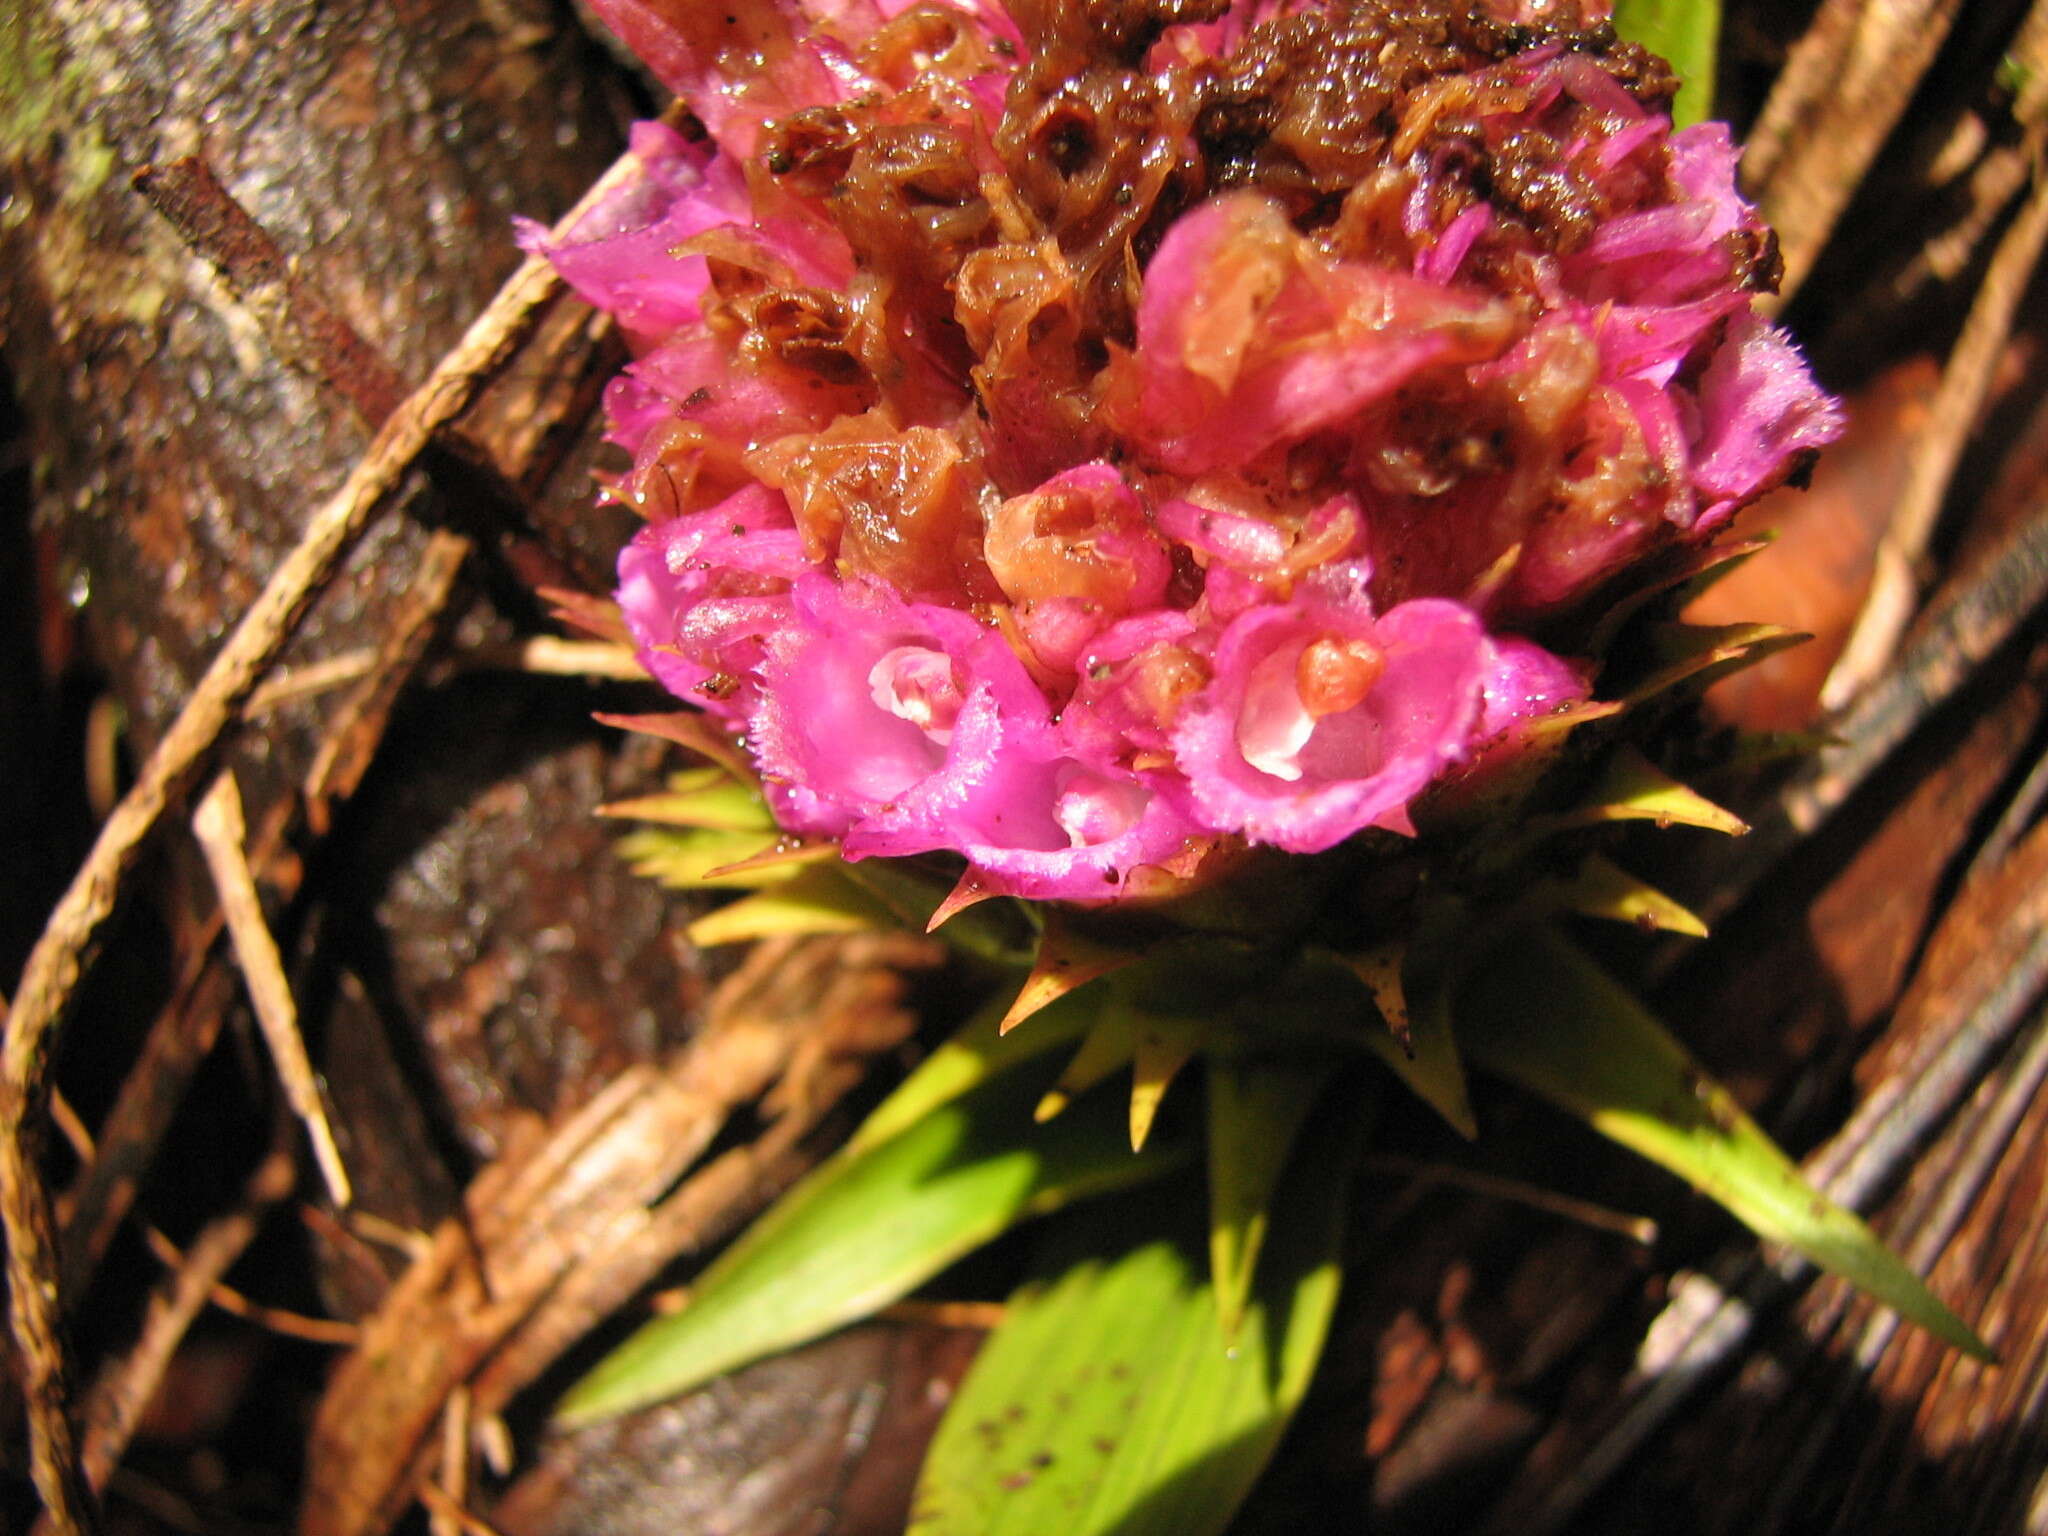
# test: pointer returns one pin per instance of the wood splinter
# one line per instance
(219, 826)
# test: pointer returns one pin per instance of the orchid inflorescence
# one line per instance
(1086, 436)
(1199, 463)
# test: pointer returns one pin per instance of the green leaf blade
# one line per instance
(1256, 1111)
(1592, 1049)
(866, 1229)
(1688, 35)
(1107, 1401)
(978, 1051)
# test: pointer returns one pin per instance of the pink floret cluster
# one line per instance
(1001, 513)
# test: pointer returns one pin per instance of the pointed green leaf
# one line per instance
(1256, 1110)
(1111, 1044)
(1157, 1062)
(1066, 960)
(693, 858)
(1107, 1404)
(687, 728)
(864, 1230)
(1380, 969)
(1540, 1013)
(1427, 1062)
(817, 898)
(1600, 889)
(700, 797)
(1688, 35)
(1685, 573)
(1700, 654)
(1002, 931)
(1632, 788)
(1510, 769)
(777, 861)
(1755, 751)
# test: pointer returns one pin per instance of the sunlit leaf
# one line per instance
(778, 860)
(1157, 1062)
(1688, 34)
(868, 1227)
(970, 890)
(1111, 1044)
(1107, 1403)
(816, 899)
(1153, 1016)
(1540, 1013)
(1256, 1110)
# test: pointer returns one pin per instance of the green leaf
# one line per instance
(1699, 654)
(694, 858)
(978, 1052)
(1426, 1060)
(1001, 931)
(701, 797)
(1107, 1401)
(816, 898)
(1688, 34)
(1632, 788)
(867, 1228)
(1066, 960)
(1601, 889)
(1676, 576)
(1256, 1110)
(688, 728)
(1539, 1012)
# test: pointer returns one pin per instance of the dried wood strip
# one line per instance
(1841, 94)
(296, 1325)
(1950, 1186)
(1976, 616)
(561, 1233)
(306, 331)
(66, 948)
(344, 756)
(1798, 90)
(1965, 383)
(125, 1388)
(1985, 971)
(219, 826)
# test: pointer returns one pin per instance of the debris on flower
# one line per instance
(1079, 434)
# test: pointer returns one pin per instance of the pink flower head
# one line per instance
(1073, 435)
